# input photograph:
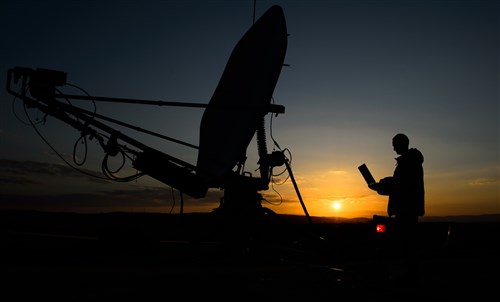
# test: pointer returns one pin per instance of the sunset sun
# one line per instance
(336, 205)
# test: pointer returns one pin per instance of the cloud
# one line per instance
(483, 181)
(15, 180)
(29, 185)
(34, 169)
(55, 187)
(337, 172)
(137, 199)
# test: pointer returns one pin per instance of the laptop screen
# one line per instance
(367, 175)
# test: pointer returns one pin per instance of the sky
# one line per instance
(357, 73)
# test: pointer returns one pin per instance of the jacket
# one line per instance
(406, 187)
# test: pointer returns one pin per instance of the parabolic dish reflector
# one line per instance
(240, 100)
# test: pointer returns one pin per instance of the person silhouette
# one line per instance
(406, 201)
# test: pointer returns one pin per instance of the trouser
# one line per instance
(407, 245)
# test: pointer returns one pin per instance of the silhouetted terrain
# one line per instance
(146, 256)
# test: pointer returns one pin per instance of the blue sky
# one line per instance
(360, 72)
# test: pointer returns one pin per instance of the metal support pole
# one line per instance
(297, 190)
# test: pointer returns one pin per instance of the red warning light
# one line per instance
(380, 228)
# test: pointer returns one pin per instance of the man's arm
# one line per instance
(384, 186)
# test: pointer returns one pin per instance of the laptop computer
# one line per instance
(367, 175)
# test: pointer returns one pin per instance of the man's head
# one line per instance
(400, 143)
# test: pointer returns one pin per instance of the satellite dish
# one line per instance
(239, 103)
(234, 114)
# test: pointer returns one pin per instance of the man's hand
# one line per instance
(384, 186)
(374, 186)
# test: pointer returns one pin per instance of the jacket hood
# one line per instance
(412, 155)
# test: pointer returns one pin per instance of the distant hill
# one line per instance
(490, 218)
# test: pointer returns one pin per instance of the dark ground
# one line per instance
(149, 257)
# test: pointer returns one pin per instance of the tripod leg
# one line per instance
(297, 190)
